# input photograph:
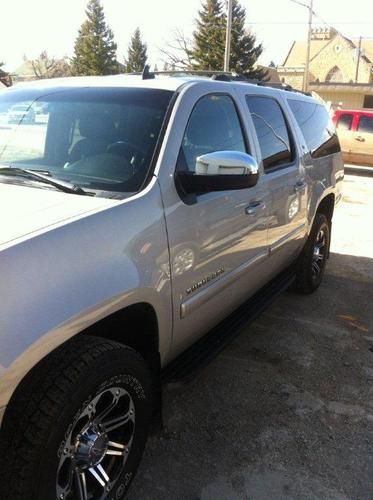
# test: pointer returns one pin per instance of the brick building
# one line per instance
(336, 71)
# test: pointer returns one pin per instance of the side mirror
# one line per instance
(220, 171)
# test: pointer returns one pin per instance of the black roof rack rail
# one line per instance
(223, 76)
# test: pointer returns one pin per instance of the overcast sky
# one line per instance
(30, 26)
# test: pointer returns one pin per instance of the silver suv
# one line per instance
(136, 215)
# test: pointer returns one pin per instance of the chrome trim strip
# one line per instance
(279, 243)
(192, 303)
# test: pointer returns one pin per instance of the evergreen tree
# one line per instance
(95, 49)
(137, 55)
(244, 51)
(209, 41)
(209, 38)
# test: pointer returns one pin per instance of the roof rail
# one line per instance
(223, 76)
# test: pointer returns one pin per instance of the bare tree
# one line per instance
(178, 53)
(49, 67)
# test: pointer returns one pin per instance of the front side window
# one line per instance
(316, 126)
(344, 122)
(213, 126)
(366, 124)
(271, 129)
(101, 139)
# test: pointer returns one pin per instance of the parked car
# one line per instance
(355, 132)
(21, 113)
(153, 209)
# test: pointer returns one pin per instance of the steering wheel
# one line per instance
(129, 151)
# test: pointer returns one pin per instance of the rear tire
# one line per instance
(311, 263)
(77, 426)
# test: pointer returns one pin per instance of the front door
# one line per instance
(362, 140)
(217, 240)
(345, 135)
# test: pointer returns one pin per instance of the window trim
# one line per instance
(293, 148)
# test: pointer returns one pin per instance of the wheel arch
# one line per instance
(135, 325)
(326, 206)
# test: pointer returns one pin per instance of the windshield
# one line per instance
(101, 139)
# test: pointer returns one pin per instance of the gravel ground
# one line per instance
(286, 411)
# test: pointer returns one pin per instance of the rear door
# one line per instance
(363, 140)
(284, 178)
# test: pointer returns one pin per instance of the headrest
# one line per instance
(96, 126)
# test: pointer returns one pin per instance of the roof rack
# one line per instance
(223, 76)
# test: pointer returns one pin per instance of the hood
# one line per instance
(25, 210)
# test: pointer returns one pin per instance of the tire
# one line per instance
(311, 264)
(86, 407)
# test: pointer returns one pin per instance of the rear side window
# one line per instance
(316, 126)
(272, 131)
(345, 122)
(366, 124)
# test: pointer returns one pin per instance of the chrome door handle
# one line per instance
(253, 207)
(300, 186)
(360, 138)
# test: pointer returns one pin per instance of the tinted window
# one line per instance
(345, 122)
(366, 124)
(316, 126)
(102, 139)
(213, 126)
(272, 131)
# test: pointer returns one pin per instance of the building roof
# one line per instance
(298, 51)
(297, 54)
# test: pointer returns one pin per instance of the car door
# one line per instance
(345, 134)
(284, 177)
(217, 240)
(363, 141)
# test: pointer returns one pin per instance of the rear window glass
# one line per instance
(316, 126)
(366, 124)
(344, 122)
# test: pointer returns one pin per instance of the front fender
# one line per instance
(57, 283)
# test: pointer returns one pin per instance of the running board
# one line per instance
(196, 357)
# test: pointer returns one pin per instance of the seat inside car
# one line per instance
(98, 132)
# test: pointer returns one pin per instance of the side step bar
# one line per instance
(196, 357)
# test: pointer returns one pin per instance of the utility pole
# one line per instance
(307, 67)
(228, 37)
(358, 60)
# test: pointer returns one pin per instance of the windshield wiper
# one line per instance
(66, 187)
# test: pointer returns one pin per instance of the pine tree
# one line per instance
(95, 49)
(209, 38)
(244, 51)
(209, 41)
(137, 53)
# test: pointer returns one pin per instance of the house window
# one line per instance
(334, 75)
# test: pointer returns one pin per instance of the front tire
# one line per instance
(77, 426)
(311, 264)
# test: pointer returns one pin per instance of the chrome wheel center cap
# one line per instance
(91, 448)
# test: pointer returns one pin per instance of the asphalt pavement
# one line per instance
(286, 411)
